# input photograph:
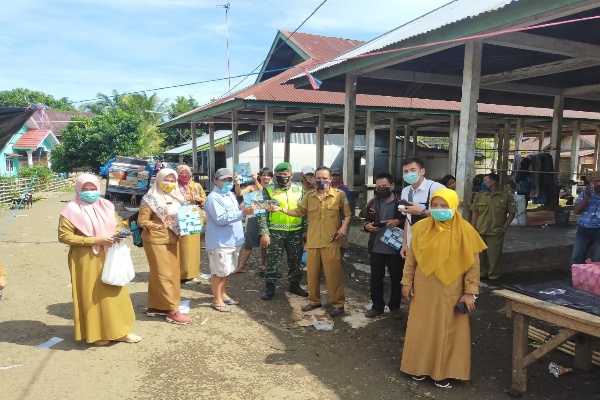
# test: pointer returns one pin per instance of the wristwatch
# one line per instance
(424, 213)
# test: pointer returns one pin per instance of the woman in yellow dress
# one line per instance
(189, 245)
(160, 233)
(101, 312)
(441, 270)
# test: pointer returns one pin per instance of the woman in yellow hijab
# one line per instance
(441, 270)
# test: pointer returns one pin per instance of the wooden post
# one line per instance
(505, 149)
(414, 143)
(519, 370)
(583, 352)
(269, 137)
(541, 141)
(597, 150)
(499, 150)
(393, 147)
(286, 144)
(555, 141)
(465, 162)
(575, 141)
(235, 146)
(261, 145)
(194, 147)
(518, 136)
(452, 145)
(406, 141)
(495, 149)
(321, 140)
(370, 155)
(211, 152)
(349, 126)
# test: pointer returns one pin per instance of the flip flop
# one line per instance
(219, 308)
(238, 272)
(231, 302)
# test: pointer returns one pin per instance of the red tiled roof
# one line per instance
(57, 120)
(32, 139)
(321, 48)
(273, 90)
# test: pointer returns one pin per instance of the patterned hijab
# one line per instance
(446, 249)
(95, 219)
(165, 205)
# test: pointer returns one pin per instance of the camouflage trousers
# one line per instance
(291, 242)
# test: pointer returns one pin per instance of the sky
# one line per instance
(78, 48)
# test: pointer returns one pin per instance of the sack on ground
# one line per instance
(118, 267)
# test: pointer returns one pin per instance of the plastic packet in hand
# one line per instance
(263, 204)
(122, 234)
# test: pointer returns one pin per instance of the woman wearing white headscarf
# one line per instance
(101, 312)
(160, 234)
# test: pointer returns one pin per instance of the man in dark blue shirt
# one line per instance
(588, 226)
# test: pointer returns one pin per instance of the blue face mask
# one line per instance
(442, 214)
(227, 186)
(411, 177)
(484, 187)
(89, 196)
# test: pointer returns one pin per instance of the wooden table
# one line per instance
(578, 324)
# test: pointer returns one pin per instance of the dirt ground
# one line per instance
(257, 351)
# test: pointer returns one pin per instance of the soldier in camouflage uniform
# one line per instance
(280, 232)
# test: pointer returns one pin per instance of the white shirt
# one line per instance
(420, 197)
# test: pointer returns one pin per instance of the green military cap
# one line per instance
(284, 166)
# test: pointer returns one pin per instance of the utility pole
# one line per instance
(227, 6)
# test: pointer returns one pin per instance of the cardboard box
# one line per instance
(116, 174)
(112, 181)
(123, 182)
(586, 277)
(189, 220)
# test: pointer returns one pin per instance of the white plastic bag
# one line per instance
(118, 267)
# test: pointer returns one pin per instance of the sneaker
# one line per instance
(419, 377)
(155, 312)
(445, 383)
(175, 317)
(372, 313)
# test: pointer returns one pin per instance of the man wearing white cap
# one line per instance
(224, 236)
(307, 175)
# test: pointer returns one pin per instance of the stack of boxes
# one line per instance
(129, 177)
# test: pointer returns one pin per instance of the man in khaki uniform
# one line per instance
(492, 212)
(325, 229)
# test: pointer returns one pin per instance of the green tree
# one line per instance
(24, 97)
(92, 142)
(104, 103)
(175, 136)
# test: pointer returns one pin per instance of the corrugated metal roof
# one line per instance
(322, 48)
(449, 13)
(33, 139)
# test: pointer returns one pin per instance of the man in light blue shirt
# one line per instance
(224, 236)
(588, 227)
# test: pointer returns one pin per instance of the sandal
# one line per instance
(223, 308)
(231, 302)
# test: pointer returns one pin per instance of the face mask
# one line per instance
(322, 185)
(411, 177)
(283, 180)
(442, 214)
(89, 196)
(383, 193)
(184, 179)
(484, 187)
(227, 186)
(167, 187)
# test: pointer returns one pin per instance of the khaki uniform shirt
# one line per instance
(493, 211)
(323, 217)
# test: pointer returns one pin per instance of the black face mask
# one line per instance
(383, 193)
(282, 180)
(322, 185)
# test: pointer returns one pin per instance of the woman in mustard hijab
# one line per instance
(441, 270)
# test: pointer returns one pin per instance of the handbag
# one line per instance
(118, 267)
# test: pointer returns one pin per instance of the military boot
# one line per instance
(297, 290)
(269, 292)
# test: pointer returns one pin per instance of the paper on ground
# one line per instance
(132, 209)
(205, 276)
(305, 318)
(184, 306)
(50, 343)
(11, 366)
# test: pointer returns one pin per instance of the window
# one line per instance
(9, 164)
